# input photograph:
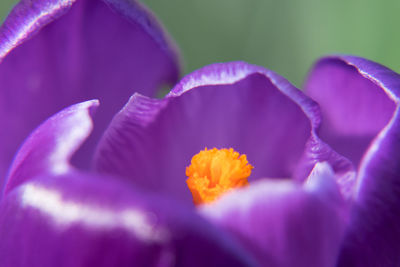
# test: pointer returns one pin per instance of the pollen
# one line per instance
(215, 172)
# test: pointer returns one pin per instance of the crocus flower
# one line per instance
(323, 190)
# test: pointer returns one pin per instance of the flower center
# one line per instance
(215, 172)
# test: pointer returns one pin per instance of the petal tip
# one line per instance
(50, 147)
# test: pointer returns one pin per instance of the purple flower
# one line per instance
(323, 191)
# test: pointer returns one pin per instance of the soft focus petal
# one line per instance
(356, 99)
(372, 103)
(248, 108)
(50, 147)
(374, 233)
(56, 53)
(80, 220)
(286, 224)
(360, 100)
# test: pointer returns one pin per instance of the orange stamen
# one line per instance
(214, 172)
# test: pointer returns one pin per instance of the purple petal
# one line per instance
(56, 53)
(374, 233)
(289, 225)
(50, 147)
(356, 99)
(238, 105)
(84, 220)
(369, 93)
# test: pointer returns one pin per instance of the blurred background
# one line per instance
(286, 36)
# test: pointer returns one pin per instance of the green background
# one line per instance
(282, 35)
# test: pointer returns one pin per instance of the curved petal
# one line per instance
(369, 93)
(50, 147)
(238, 105)
(289, 225)
(374, 233)
(83, 220)
(356, 98)
(55, 53)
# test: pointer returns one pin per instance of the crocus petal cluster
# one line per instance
(86, 189)
(55, 53)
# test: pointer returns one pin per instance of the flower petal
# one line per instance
(374, 233)
(50, 147)
(364, 103)
(372, 239)
(78, 219)
(56, 53)
(248, 108)
(356, 98)
(289, 225)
